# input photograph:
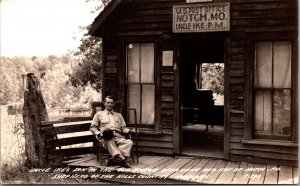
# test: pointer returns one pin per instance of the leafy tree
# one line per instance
(58, 74)
(89, 70)
(213, 77)
(54, 81)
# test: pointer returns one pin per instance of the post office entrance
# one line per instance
(202, 97)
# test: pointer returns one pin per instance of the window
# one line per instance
(273, 90)
(140, 83)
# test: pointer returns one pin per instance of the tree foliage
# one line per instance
(213, 77)
(89, 69)
(89, 52)
(66, 81)
(53, 73)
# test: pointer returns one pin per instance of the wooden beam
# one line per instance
(66, 129)
(69, 141)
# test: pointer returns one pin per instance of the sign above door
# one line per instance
(211, 17)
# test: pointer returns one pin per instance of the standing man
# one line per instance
(108, 126)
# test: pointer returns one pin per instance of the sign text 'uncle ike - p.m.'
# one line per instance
(201, 18)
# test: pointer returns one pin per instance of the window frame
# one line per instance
(272, 90)
(147, 127)
(249, 136)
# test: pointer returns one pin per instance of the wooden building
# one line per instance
(154, 56)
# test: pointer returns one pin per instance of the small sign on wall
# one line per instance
(167, 58)
(211, 17)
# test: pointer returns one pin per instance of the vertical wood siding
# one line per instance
(139, 19)
(252, 16)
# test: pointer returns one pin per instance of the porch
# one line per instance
(188, 170)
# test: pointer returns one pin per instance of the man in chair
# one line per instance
(109, 127)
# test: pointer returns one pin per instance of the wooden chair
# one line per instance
(102, 154)
(105, 158)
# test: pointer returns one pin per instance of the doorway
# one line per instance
(202, 97)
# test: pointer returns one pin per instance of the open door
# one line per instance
(202, 97)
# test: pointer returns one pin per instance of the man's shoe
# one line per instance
(110, 162)
(126, 164)
(118, 158)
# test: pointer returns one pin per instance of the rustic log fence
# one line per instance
(34, 111)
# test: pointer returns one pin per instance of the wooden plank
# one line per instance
(203, 173)
(260, 160)
(86, 156)
(177, 175)
(82, 160)
(161, 166)
(87, 163)
(54, 153)
(194, 170)
(165, 144)
(66, 129)
(259, 6)
(156, 149)
(271, 175)
(65, 122)
(173, 167)
(242, 175)
(228, 173)
(215, 172)
(296, 175)
(269, 155)
(148, 160)
(258, 174)
(285, 175)
(270, 148)
(69, 141)
(155, 164)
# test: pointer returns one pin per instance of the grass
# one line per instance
(13, 161)
(12, 146)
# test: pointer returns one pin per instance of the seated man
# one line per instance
(108, 126)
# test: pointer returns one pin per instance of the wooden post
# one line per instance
(34, 111)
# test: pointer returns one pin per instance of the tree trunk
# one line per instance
(34, 111)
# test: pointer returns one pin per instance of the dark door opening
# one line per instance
(202, 97)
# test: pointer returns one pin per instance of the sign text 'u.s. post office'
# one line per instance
(201, 17)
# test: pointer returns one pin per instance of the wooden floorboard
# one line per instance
(198, 170)
(150, 159)
(242, 176)
(203, 173)
(228, 173)
(194, 170)
(285, 175)
(78, 159)
(173, 167)
(152, 167)
(295, 175)
(162, 165)
(145, 161)
(89, 163)
(185, 169)
(258, 174)
(271, 175)
(82, 160)
(215, 172)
